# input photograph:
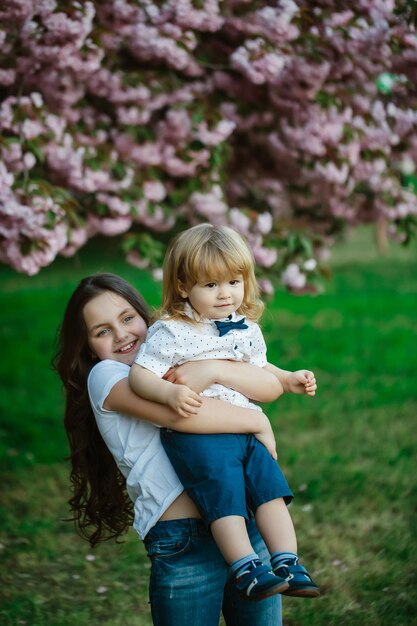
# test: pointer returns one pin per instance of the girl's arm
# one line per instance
(150, 387)
(214, 416)
(256, 383)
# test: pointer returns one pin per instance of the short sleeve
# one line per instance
(258, 348)
(101, 380)
(158, 353)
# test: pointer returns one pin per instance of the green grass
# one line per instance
(349, 453)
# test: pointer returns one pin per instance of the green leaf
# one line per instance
(306, 245)
(385, 82)
(410, 181)
(37, 151)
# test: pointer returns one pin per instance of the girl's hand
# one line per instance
(197, 375)
(302, 381)
(183, 400)
(267, 438)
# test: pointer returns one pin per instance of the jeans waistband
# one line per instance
(169, 528)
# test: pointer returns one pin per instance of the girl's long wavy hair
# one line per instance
(99, 503)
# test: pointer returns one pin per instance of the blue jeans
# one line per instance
(188, 584)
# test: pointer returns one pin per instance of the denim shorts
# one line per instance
(225, 473)
(189, 579)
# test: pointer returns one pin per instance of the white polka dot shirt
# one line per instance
(173, 342)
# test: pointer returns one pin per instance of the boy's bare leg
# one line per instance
(231, 537)
(275, 525)
(252, 578)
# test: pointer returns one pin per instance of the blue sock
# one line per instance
(238, 565)
(283, 558)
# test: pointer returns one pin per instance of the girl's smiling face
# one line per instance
(115, 329)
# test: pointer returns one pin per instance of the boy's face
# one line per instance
(115, 329)
(216, 300)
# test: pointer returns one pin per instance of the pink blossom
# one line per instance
(175, 128)
(210, 204)
(154, 190)
(56, 124)
(144, 154)
(157, 273)
(278, 112)
(29, 161)
(266, 286)
(340, 19)
(37, 99)
(310, 265)
(11, 152)
(132, 116)
(266, 257)
(136, 260)
(31, 129)
(115, 204)
(153, 217)
(108, 226)
(219, 133)
(205, 19)
(333, 174)
(6, 178)
(52, 242)
(76, 239)
(7, 77)
(407, 165)
(293, 278)
(158, 220)
(256, 64)
(147, 44)
(239, 221)
(264, 223)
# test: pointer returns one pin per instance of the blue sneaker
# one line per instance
(257, 581)
(300, 583)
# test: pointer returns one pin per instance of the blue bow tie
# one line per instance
(224, 327)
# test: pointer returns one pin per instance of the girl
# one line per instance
(209, 284)
(111, 448)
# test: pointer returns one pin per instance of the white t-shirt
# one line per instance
(151, 481)
(173, 342)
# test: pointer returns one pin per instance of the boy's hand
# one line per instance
(267, 438)
(183, 400)
(302, 381)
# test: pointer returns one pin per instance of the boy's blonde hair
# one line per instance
(208, 253)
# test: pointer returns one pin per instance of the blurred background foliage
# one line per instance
(288, 120)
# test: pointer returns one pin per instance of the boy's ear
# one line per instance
(182, 290)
